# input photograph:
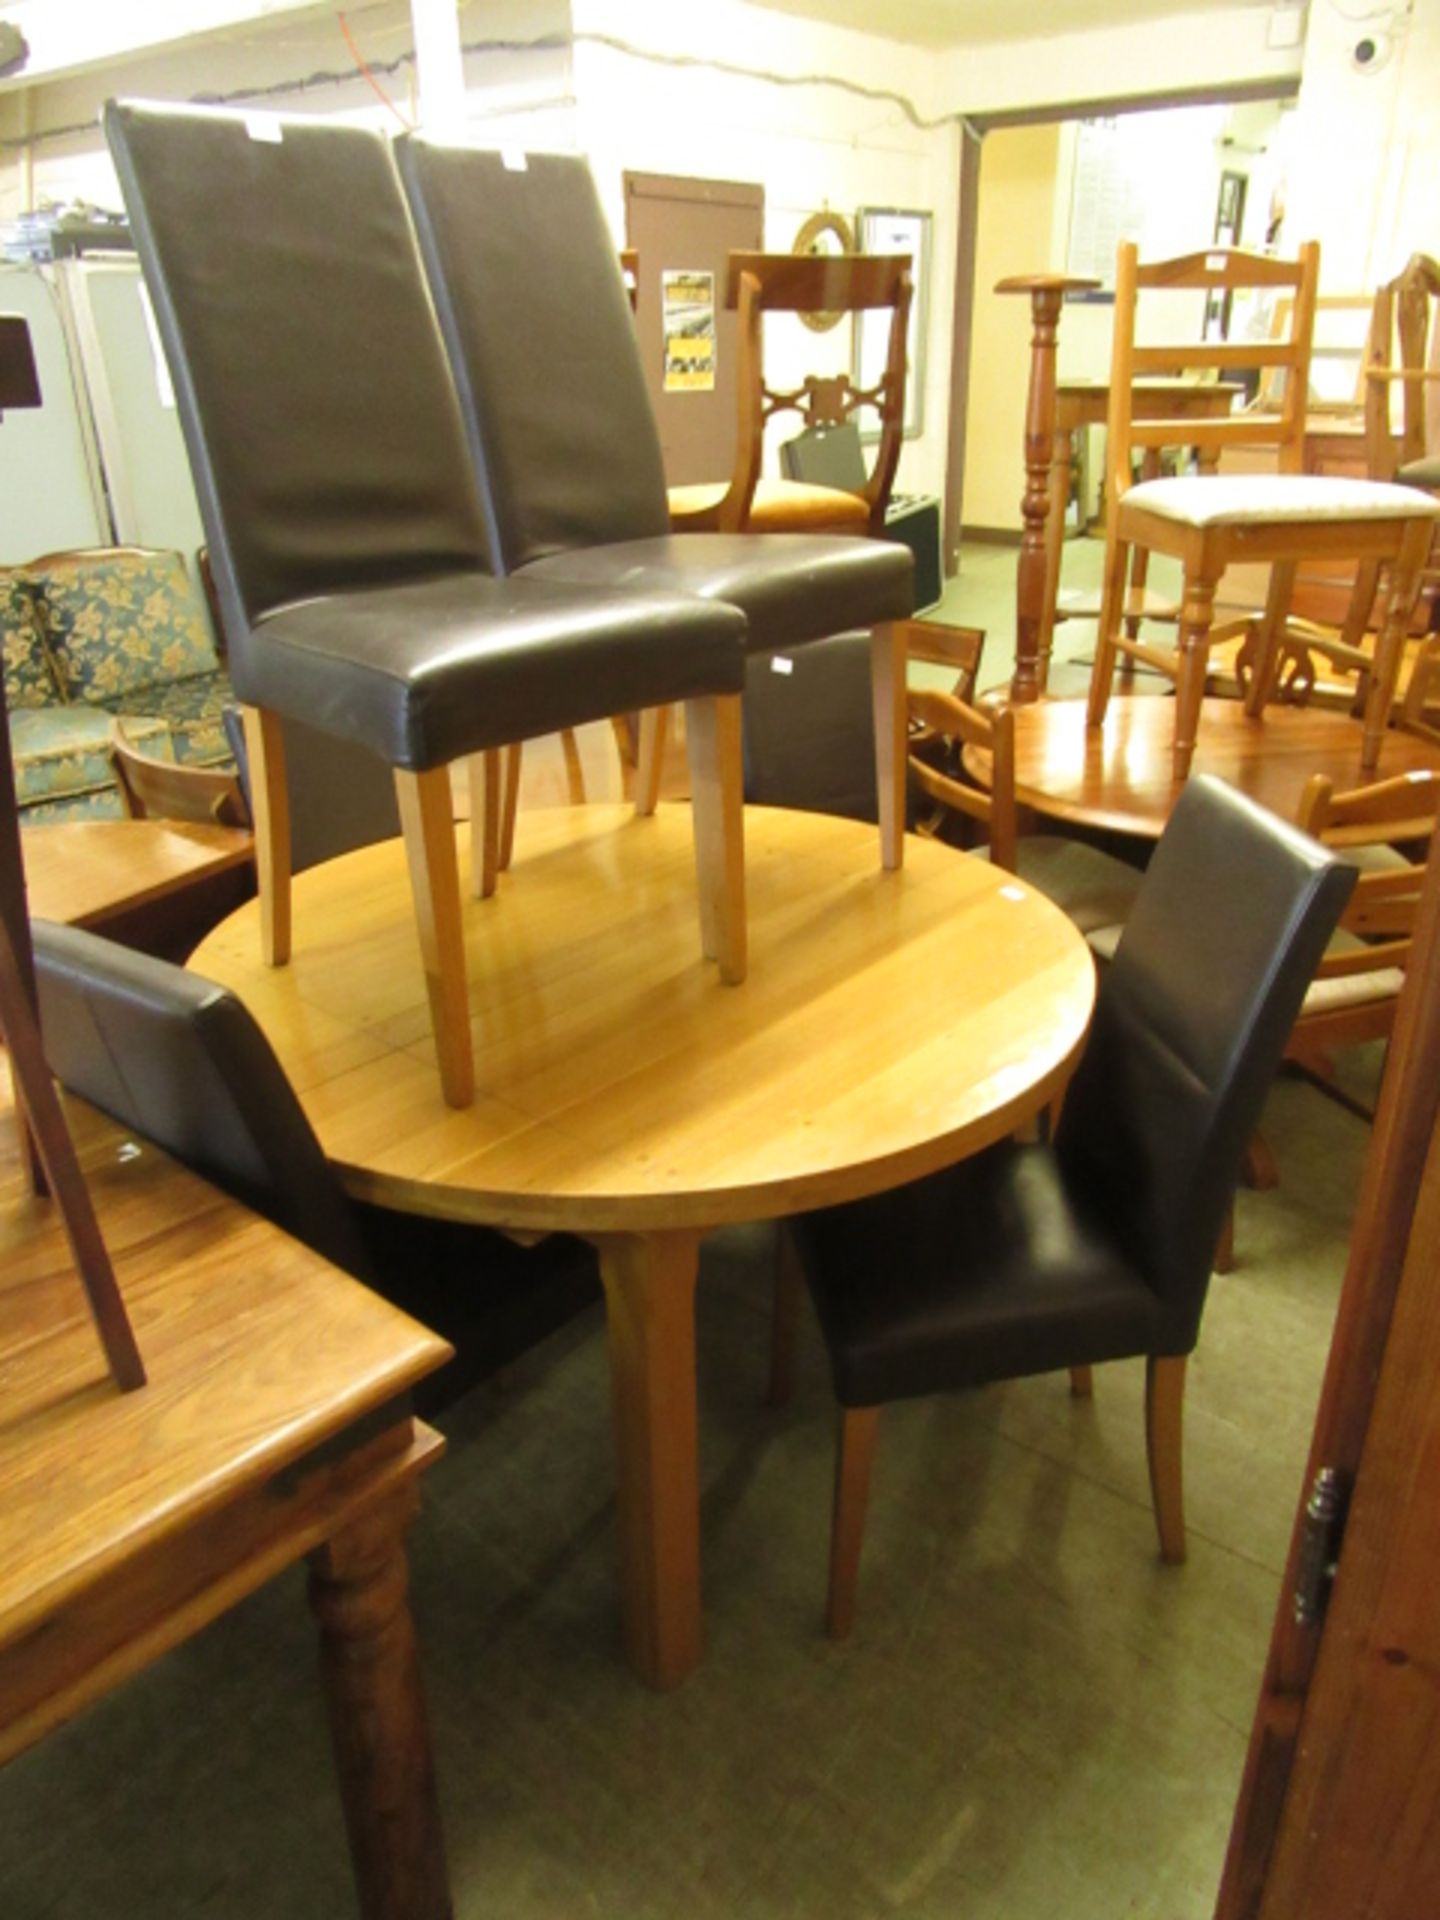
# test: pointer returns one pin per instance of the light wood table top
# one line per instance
(891, 1023)
(85, 872)
(273, 1426)
(618, 1083)
(1119, 778)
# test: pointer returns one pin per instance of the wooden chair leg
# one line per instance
(1164, 1445)
(483, 772)
(1258, 1169)
(712, 736)
(853, 1461)
(574, 771)
(654, 731)
(784, 1320)
(1082, 1383)
(1102, 673)
(1390, 641)
(887, 683)
(1195, 618)
(429, 830)
(270, 804)
(510, 803)
(1271, 638)
(1225, 1250)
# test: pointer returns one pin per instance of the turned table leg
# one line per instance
(358, 1591)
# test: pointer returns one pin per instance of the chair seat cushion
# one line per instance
(791, 587)
(778, 506)
(1344, 991)
(1216, 500)
(426, 671)
(1420, 473)
(985, 1271)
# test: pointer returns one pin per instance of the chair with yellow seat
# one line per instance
(806, 284)
(1281, 518)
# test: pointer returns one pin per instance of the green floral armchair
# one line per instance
(94, 635)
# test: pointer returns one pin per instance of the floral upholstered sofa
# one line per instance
(95, 635)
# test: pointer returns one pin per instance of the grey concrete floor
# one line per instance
(1033, 1718)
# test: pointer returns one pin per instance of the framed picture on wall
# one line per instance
(892, 230)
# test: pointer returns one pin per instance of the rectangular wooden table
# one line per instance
(155, 884)
(275, 1425)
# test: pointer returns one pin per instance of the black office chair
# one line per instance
(182, 1062)
(564, 444)
(1027, 1259)
(345, 532)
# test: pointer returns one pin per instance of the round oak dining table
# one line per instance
(891, 1023)
(1118, 778)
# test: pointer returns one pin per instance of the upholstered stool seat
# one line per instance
(1270, 499)
(776, 506)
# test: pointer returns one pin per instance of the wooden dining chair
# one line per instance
(347, 537)
(758, 284)
(1092, 888)
(1032, 1258)
(1208, 522)
(156, 789)
(1387, 830)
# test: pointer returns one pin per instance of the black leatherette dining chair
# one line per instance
(1097, 1246)
(565, 446)
(181, 1061)
(346, 537)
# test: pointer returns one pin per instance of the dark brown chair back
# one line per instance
(323, 430)
(542, 341)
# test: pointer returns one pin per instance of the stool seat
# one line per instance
(1223, 500)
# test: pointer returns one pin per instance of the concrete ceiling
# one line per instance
(950, 23)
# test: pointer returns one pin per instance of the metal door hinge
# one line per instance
(1319, 1547)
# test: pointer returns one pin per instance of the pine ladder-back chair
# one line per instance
(1387, 830)
(1210, 521)
(761, 283)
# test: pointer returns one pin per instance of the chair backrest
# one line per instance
(322, 426)
(1191, 1021)
(541, 338)
(942, 726)
(1400, 815)
(761, 283)
(1404, 354)
(1217, 272)
(808, 734)
(181, 1061)
(155, 789)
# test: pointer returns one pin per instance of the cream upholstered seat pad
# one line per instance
(1212, 500)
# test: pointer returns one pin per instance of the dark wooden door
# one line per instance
(1337, 1813)
(686, 226)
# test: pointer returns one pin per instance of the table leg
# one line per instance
(358, 1591)
(650, 1306)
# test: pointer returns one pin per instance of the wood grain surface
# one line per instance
(890, 1024)
(1118, 778)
